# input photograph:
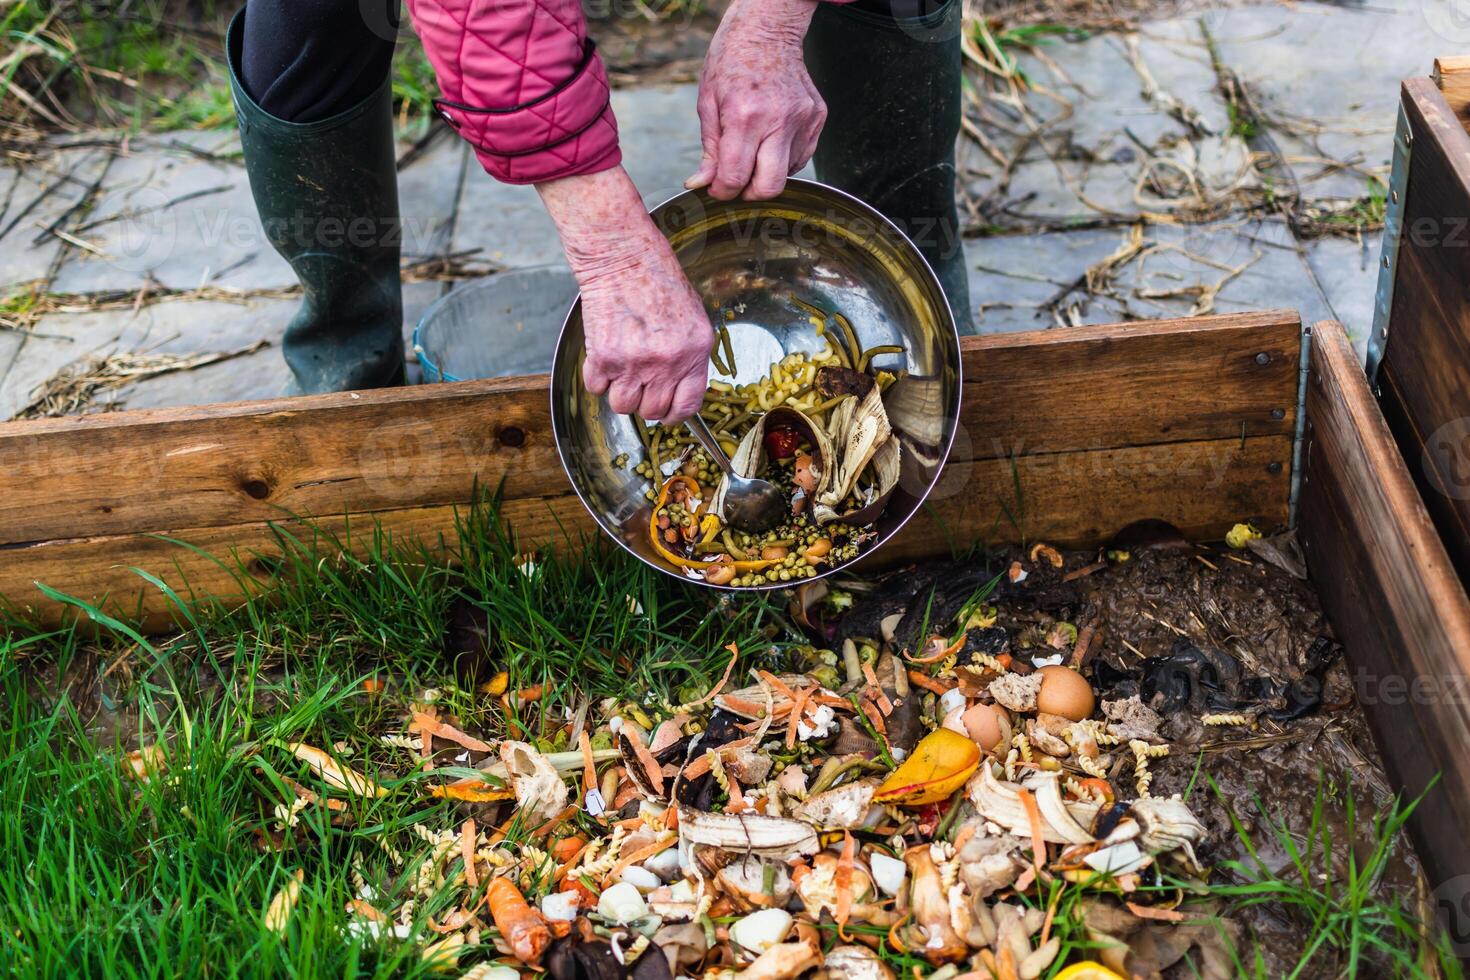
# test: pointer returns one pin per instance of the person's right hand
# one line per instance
(648, 336)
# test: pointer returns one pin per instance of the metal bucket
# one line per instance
(505, 324)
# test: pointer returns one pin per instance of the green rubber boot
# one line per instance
(327, 194)
(892, 88)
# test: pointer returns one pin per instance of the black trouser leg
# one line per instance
(312, 96)
(890, 71)
(306, 60)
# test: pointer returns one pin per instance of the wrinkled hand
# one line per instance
(648, 336)
(759, 113)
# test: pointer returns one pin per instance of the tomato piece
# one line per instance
(782, 442)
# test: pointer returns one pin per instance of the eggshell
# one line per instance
(1065, 692)
(982, 723)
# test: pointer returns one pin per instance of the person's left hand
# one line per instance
(759, 113)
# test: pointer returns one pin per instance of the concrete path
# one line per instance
(1218, 161)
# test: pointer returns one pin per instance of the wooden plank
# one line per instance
(132, 472)
(1076, 498)
(258, 461)
(1425, 374)
(231, 561)
(1438, 460)
(1215, 377)
(1080, 499)
(1452, 75)
(1392, 596)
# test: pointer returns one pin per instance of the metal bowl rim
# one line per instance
(947, 315)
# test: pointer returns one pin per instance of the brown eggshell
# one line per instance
(1065, 692)
(983, 724)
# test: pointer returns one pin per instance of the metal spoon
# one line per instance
(751, 506)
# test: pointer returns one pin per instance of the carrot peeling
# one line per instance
(467, 851)
(885, 706)
(729, 668)
(843, 881)
(522, 927)
(589, 767)
(920, 679)
(654, 771)
(1033, 816)
(427, 725)
(1160, 915)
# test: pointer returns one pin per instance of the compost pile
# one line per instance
(981, 769)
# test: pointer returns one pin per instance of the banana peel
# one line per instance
(941, 764)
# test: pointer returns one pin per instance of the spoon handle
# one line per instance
(711, 445)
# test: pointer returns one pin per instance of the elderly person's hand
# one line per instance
(759, 113)
(648, 335)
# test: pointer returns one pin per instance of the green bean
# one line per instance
(840, 349)
(729, 349)
(658, 466)
(714, 358)
(830, 403)
(799, 394)
(732, 420)
(732, 547)
(728, 397)
(852, 343)
(873, 352)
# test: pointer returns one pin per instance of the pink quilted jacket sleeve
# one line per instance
(522, 82)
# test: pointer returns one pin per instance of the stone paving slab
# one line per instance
(10, 344)
(1348, 272)
(1033, 282)
(1113, 125)
(26, 207)
(1014, 277)
(188, 221)
(1336, 68)
(178, 327)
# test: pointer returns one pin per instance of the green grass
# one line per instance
(1353, 928)
(1242, 124)
(1352, 218)
(414, 88)
(101, 875)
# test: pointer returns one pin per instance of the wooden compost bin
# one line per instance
(1419, 351)
(1193, 421)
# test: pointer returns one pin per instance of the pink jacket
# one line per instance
(522, 82)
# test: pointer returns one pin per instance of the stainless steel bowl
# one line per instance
(813, 243)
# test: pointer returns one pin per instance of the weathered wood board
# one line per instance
(1452, 75)
(1067, 435)
(1424, 378)
(1392, 596)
